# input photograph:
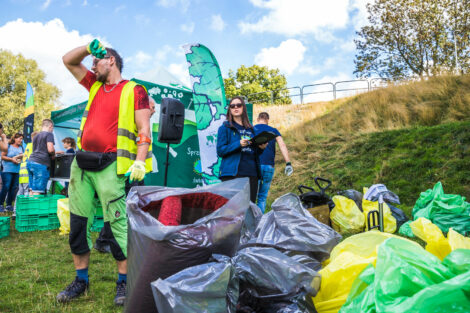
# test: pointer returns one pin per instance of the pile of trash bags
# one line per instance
(226, 259)
(409, 279)
(381, 272)
(443, 210)
(351, 210)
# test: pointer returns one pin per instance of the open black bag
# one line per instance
(156, 251)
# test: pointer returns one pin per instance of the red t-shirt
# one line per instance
(100, 132)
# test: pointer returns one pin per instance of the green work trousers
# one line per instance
(110, 189)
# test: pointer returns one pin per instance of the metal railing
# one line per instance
(318, 88)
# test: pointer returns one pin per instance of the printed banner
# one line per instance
(28, 114)
(209, 105)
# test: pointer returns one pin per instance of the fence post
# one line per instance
(334, 91)
(302, 95)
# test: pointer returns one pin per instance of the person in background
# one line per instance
(39, 161)
(69, 145)
(267, 159)
(153, 120)
(3, 147)
(240, 158)
(23, 189)
(11, 160)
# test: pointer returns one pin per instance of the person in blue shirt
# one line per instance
(267, 159)
(11, 160)
(240, 158)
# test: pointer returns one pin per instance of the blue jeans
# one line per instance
(38, 176)
(267, 173)
(10, 187)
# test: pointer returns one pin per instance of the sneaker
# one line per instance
(9, 208)
(120, 297)
(102, 248)
(74, 290)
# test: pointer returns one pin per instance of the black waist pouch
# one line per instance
(94, 161)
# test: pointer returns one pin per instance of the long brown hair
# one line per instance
(245, 121)
(17, 135)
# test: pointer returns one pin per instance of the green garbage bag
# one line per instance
(410, 279)
(405, 230)
(444, 210)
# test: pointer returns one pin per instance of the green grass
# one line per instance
(407, 161)
(35, 266)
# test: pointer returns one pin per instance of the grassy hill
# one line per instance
(422, 136)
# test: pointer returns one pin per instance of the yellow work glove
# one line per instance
(96, 49)
(136, 172)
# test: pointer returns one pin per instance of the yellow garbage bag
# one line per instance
(63, 213)
(347, 260)
(457, 241)
(390, 223)
(436, 243)
(346, 216)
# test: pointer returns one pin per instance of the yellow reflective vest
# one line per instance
(127, 129)
(24, 176)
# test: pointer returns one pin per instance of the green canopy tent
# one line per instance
(184, 168)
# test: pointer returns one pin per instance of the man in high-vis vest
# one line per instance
(113, 145)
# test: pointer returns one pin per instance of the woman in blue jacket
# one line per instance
(240, 158)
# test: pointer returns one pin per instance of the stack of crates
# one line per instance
(37, 212)
(98, 221)
(4, 226)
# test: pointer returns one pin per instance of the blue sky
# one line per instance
(309, 40)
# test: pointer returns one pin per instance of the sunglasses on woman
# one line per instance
(235, 105)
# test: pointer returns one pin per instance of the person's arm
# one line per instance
(4, 156)
(283, 148)
(288, 170)
(73, 62)
(3, 142)
(224, 146)
(142, 121)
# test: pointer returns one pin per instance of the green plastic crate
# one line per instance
(98, 224)
(25, 223)
(37, 205)
(4, 226)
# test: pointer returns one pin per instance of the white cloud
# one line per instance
(180, 70)
(217, 23)
(154, 67)
(302, 17)
(139, 60)
(46, 4)
(286, 57)
(85, 3)
(187, 28)
(46, 43)
(310, 70)
(347, 45)
(119, 8)
(183, 4)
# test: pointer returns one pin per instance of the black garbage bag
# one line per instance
(291, 229)
(158, 251)
(377, 190)
(209, 287)
(399, 215)
(354, 195)
(270, 281)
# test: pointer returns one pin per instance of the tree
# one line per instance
(414, 38)
(258, 80)
(15, 70)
